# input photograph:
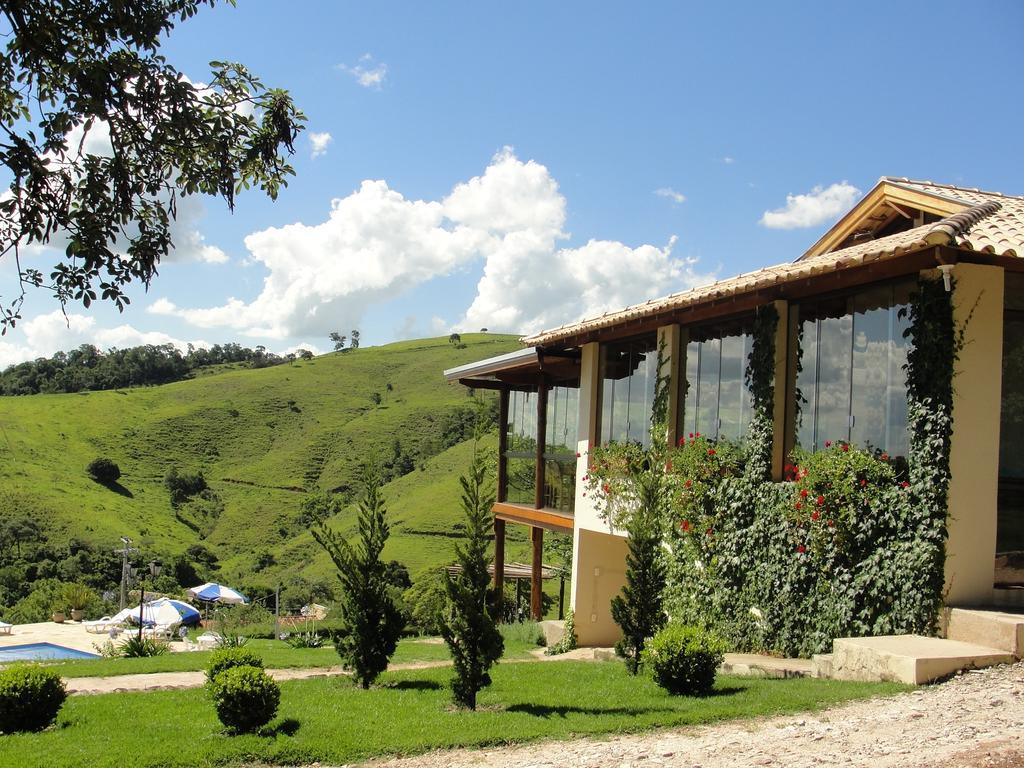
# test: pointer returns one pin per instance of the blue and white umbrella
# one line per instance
(165, 612)
(217, 593)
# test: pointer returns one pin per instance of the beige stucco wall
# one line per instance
(599, 573)
(974, 456)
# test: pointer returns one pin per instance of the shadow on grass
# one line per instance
(539, 710)
(287, 727)
(413, 685)
(116, 487)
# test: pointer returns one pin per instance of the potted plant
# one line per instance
(58, 616)
(77, 597)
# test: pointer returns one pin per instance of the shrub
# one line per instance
(569, 640)
(30, 698)
(683, 659)
(305, 640)
(245, 698)
(103, 470)
(184, 485)
(226, 658)
(133, 647)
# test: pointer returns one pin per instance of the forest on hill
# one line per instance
(214, 470)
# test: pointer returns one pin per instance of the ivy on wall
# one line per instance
(850, 543)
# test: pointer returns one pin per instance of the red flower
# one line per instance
(606, 488)
(711, 451)
(846, 447)
(697, 434)
(689, 483)
(691, 435)
(711, 531)
(686, 526)
(682, 440)
(863, 482)
(831, 523)
(803, 493)
(904, 484)
(815, 515)
(801, 548)
(885, 457)
(577, 454)
(798, 505)
(668, 467)
(820, 500)
(586, 477)
(828, 443)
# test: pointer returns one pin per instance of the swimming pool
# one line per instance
(41, 652)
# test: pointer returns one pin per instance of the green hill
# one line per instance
(263, 439)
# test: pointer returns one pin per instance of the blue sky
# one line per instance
(530, 163)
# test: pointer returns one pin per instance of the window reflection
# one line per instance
(521, 448)
(717, 400)
(560, 448)
(628, 377)
(851, 376)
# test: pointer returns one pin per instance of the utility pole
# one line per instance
(125, 551)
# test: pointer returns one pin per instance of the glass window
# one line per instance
(628, 376)
(717, 400)
(1010, 520)
(521, 448)
(851, 376)
(560, 448)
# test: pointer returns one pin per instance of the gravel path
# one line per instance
(975, 720)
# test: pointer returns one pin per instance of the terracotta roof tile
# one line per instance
(990, 223)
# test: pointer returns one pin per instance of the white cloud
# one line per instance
(728, 160)
(375, 245)
(366, 73)
(43, 335)
(318, 143)
(671, 194)
(294, 350)
(818, 206)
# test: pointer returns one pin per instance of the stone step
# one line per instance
(995, 629)
(909, 658)
(821, 665)
(756, 665)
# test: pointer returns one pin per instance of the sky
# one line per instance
(518, 166)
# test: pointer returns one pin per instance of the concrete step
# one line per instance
(756, 665)
(909, 658)
(995, 629)
(821, 665)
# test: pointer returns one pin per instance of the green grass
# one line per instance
(330, 721)
(275, 654)
(262, 438)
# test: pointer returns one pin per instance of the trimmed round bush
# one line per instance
(246, 698)
(684, 659)
(226, 658)
(103, 470)
(30, 698)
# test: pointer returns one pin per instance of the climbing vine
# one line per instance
(851, 542)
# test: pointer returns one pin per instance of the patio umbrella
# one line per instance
(217, 593)
(163, 611)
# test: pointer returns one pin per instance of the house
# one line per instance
(839, 347)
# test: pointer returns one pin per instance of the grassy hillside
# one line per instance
(263, 439)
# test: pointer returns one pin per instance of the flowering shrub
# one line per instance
(852, 542)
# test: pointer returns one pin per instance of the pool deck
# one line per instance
(70, 634)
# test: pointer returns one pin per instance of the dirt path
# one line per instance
(976, 720)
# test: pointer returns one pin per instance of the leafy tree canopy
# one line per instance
(100, 136)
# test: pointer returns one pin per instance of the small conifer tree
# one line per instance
(469, 628)
(639, 609)
(370, 619)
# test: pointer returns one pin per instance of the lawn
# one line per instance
(276, 655)
(331, 721)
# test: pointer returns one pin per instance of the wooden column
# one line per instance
(502, 447)
(499, 566)
(542, 433)
(784, 389)
(536, 605)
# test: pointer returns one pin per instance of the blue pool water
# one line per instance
(41, 652)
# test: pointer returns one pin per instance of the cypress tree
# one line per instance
(469, 628)
(638, 610)
(370, 620)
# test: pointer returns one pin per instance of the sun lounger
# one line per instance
(5, 628)
(102, 626)
(209, 640)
